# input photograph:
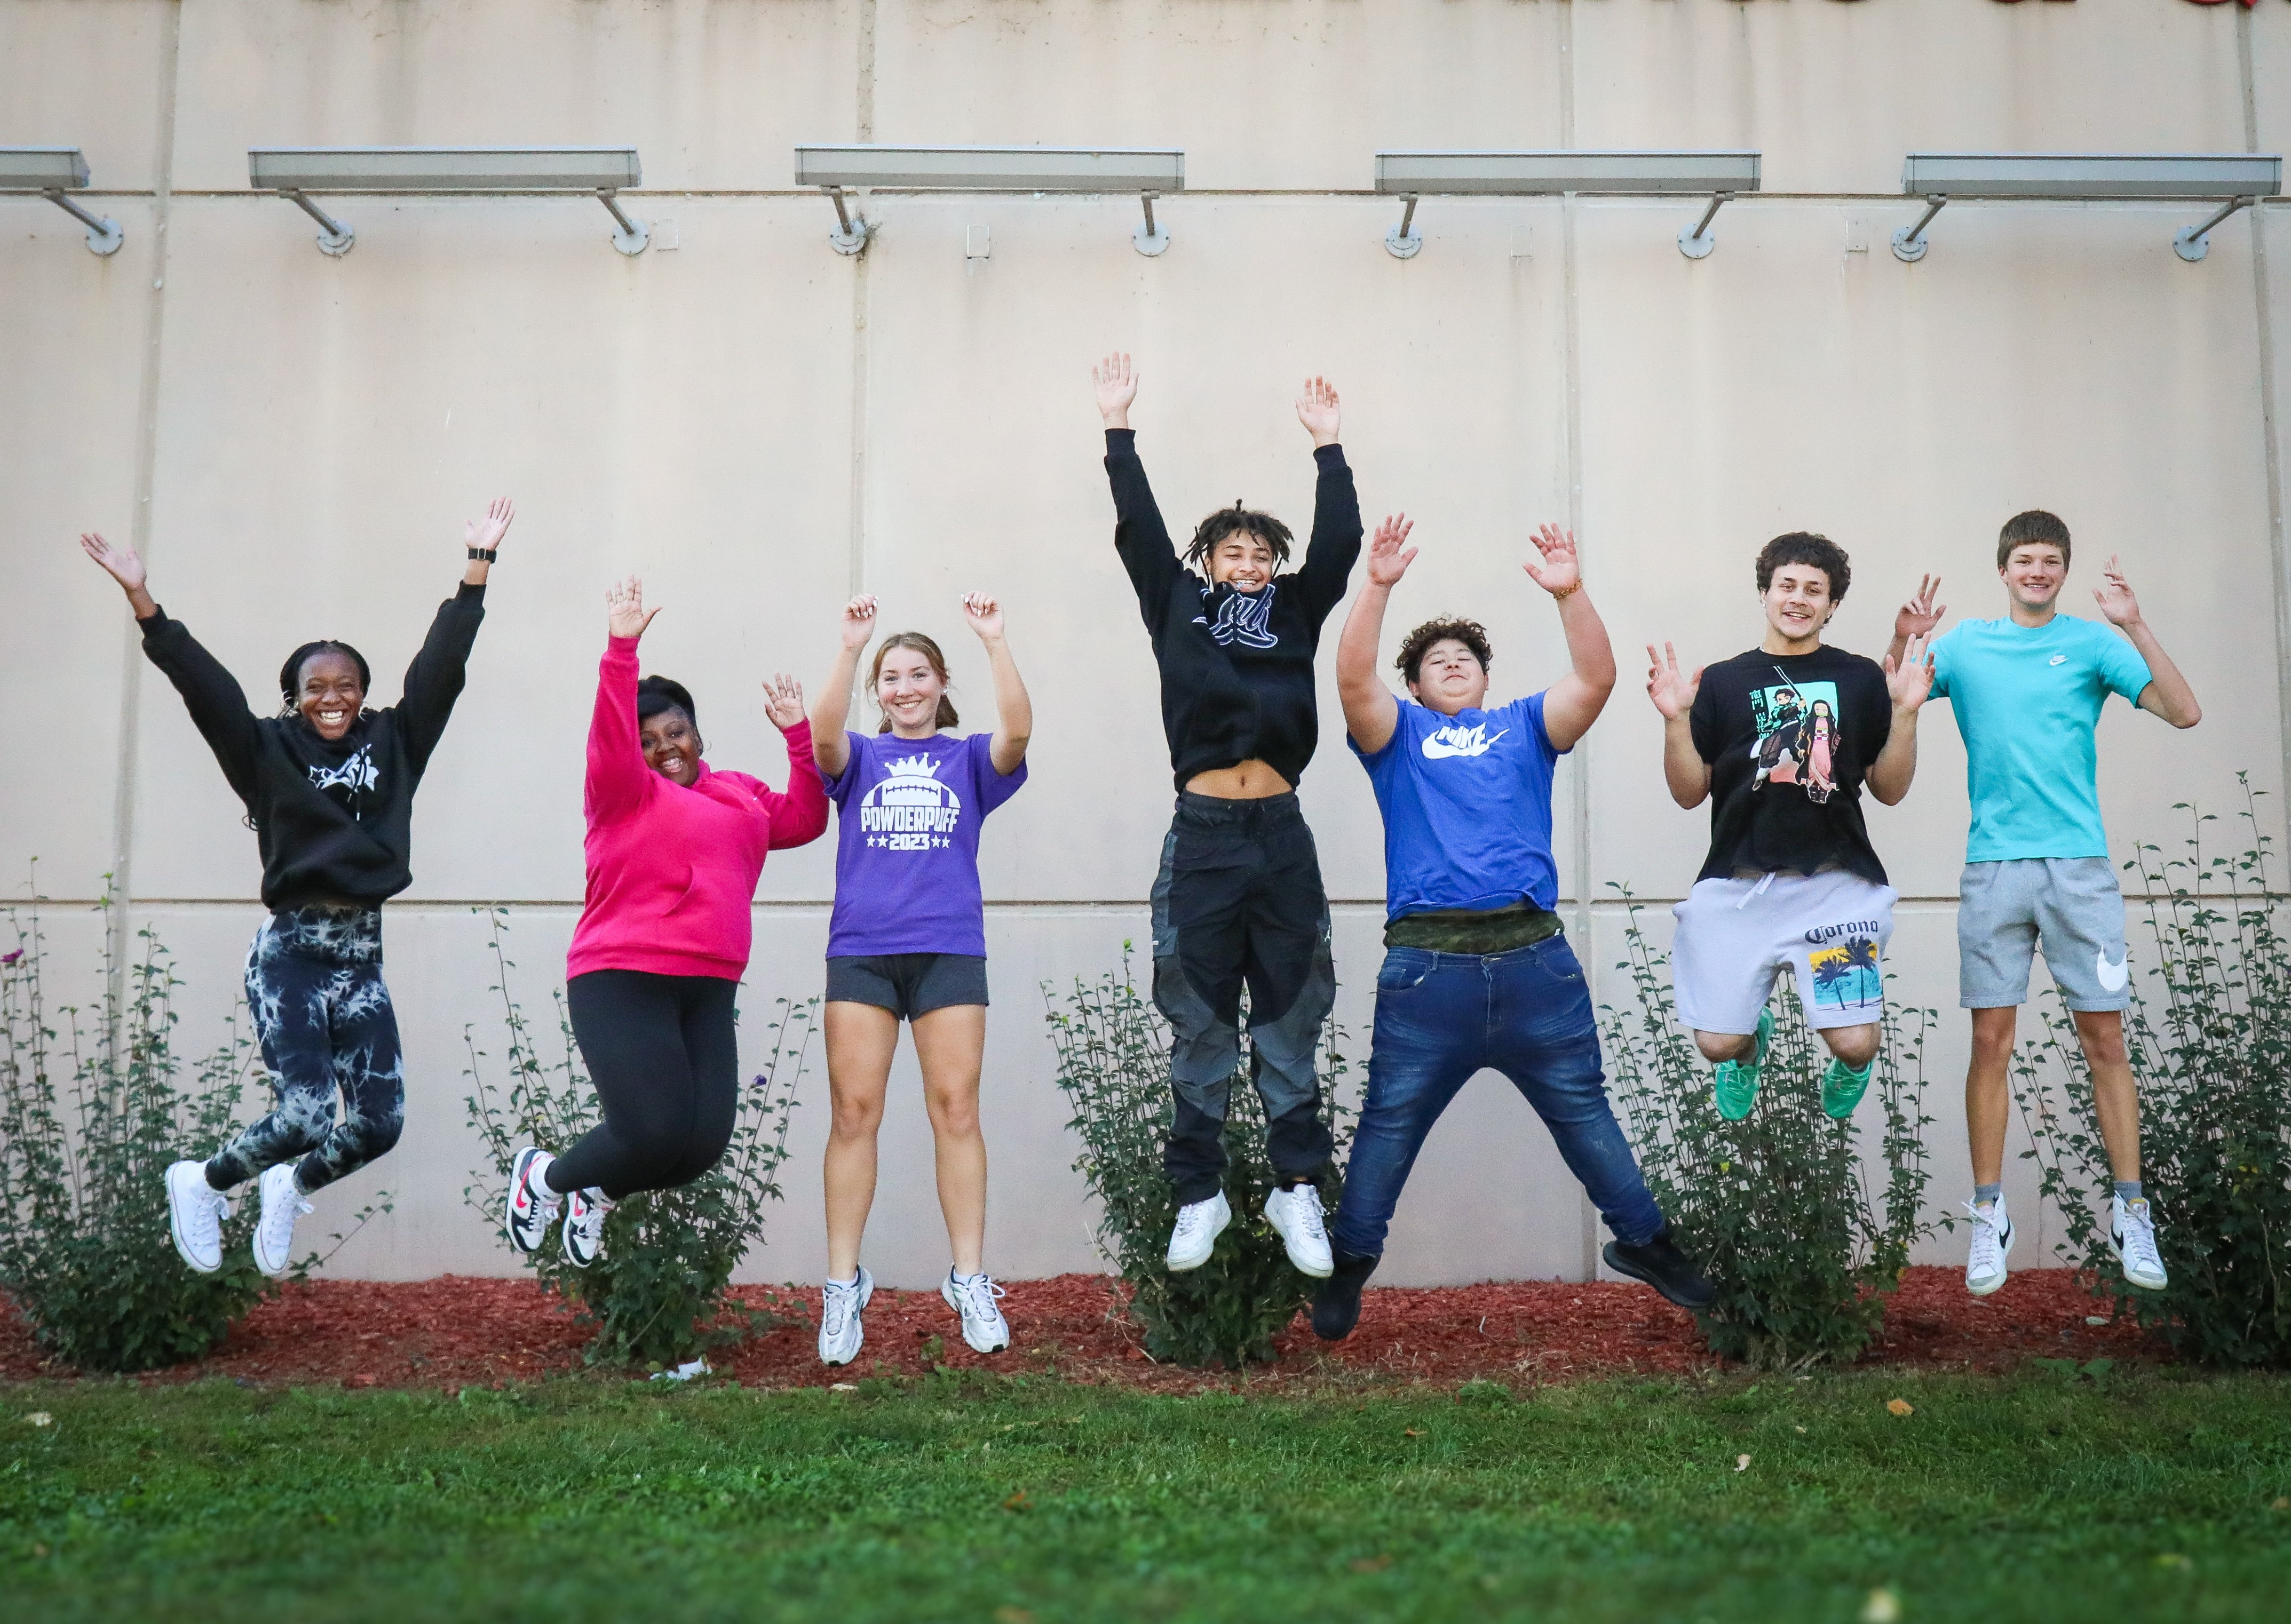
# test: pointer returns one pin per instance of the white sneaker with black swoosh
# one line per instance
(2133, 1237)
(1992, 1240)
(584, 1235)
(531, 1206)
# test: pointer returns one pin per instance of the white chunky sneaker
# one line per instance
(196, 1210)
(584, 1236)
(840, 1334)
(1992, 1241)
(2133, 1234)
(531, 1205)
(973, 1296)
(1294, 1215)
(1194, 1235)
(274, 1231)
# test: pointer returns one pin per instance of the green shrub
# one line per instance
(657, 1297)
(2209, 1035)
(1113, 1066)
(85, 1250)
(1778, 1209)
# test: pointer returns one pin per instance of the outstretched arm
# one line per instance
(1336, 540)
(1572, 703)
(2168, 694)
(1916, 619)
(1908, 680)
(434, 680)
(1684, 770)
(1370, 712)
(832, 711)
(122, 565)
(1139, 534)
(799, 816)
(618, 779)
(1014, 712)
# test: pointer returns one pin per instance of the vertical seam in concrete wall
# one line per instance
(1579, 780)
(139, 529)
(2271, 456)
(864, 123)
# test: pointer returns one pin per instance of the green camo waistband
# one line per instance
(1478, 930)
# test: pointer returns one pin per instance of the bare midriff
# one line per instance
(1249, 781)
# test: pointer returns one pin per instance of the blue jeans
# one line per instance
(1442, 1017)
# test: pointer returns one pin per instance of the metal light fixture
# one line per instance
(1409, 175)
(1148, 172)
(2240, 178)
(51, 171)
(293, 173)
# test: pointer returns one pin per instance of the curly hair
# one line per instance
(1233, 521)
(1418, 643)
(1804, 547)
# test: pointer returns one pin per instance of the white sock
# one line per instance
(850, 1284)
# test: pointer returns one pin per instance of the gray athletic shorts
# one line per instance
(907, 984)
(2071, 902)
(1735, 936)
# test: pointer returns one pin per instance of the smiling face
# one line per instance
(1449, 679)
(329, 694)
(671, 746)
(2034, 572)
(908, 690)
(1243, 561)
(1799, 605)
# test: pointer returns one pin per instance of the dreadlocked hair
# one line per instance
(1238, 520)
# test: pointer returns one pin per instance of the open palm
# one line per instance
(1672, 690)
(1388, 553)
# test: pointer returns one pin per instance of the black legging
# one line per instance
(663, 1053)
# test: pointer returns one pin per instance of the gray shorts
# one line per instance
(1735, 936)
(2071, 902)
(907, 984)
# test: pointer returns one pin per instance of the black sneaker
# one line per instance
(1336, 1305)
(1662, 1266)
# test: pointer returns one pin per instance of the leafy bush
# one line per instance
(85, 1251)
(657, 1297)
(1113, 1066)
(2209, 1035)
(1777, 1208)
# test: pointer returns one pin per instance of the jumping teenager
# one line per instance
(328, 787)
(907, 941)
(2028, 691)
(1780, 740)
(1477, 971)
(1239, 897)
(674, 848)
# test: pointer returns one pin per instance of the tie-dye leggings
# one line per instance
(314, 984)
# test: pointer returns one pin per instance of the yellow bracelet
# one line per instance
(1567, 592)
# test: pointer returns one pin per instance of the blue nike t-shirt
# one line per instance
(2027, 699)
(1466, 804)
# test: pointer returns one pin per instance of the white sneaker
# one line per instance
(1194, 1235)
(973, 1296)
(531, 1205)
(840, 1334)
(1294, 1215)
(273, 1231)
(2132, 1236)
(196, 1210)
(583, 1236)
(1992, 1241)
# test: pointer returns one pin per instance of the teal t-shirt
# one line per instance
(2027, 700)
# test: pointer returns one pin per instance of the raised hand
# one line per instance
(1558, 570)
(487, 531)
(1910, 679)
(1388, 554)
(1919, 616)
(625, 614)
(119, 562)
(1317, 410)
(858, 621)
(1673, 693)
(985, 615)
(1117, 386)
(783, 701)
(2114, 596)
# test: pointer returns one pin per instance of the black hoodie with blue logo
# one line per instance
(1236, 667)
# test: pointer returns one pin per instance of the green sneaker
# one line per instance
(1737, 1081)
(1842, 1086)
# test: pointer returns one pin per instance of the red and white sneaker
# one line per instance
(532, 1205)
(583, 1237)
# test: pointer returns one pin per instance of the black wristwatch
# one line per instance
(486, 552)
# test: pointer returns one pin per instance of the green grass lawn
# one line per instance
(2043, 1496)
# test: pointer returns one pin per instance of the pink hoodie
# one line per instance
(672, 870)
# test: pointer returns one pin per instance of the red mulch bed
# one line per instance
(458, 1330)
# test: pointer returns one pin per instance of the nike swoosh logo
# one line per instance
(2058, 660)
(2112, 977)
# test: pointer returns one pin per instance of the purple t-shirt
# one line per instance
(906, 857)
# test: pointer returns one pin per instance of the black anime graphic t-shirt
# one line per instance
(1789, 738)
